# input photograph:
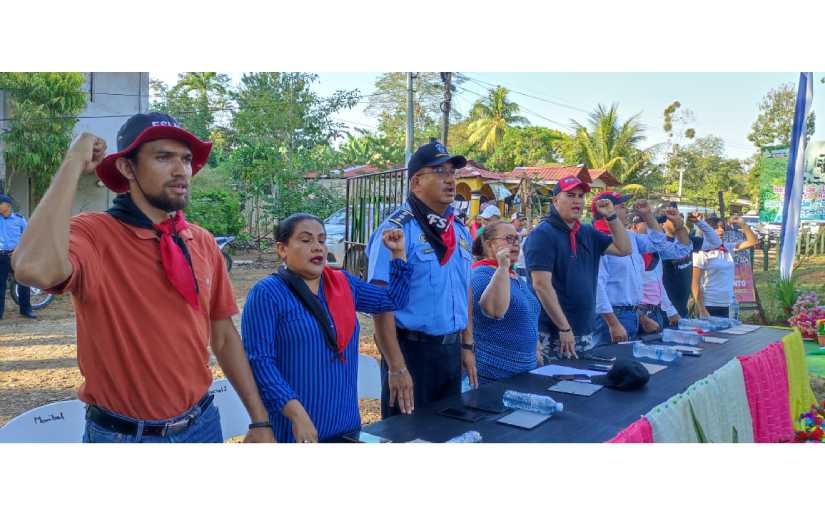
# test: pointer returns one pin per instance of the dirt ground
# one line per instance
(38, 362)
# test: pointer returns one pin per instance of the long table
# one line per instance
(596, 418)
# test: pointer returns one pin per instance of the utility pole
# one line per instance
(410, 126)
(446, 78)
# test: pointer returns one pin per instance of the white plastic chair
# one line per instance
(234, 417)
(369, 378)
(59, 422)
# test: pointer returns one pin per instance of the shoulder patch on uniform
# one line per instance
(465, 244)
(401, 217)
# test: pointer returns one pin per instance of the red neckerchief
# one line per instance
(648, 257)
(573, 232)
(448, 237)
(176, 265)
(491, 262)
(341, 307)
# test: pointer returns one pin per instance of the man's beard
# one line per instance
(166, 203)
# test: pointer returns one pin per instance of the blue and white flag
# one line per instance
(794, 177)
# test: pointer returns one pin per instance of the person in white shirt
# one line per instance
(714, 270)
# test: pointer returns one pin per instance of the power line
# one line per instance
(479, 95)
(561, 104)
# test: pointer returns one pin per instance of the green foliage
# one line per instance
(370, 149)
(43, 108)
(389, 104)
(527, 147)
(491, 117)
(774, 123)
(607, 143)
(786, 291)
(707, 172)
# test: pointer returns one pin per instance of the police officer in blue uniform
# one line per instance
(12, 226)
(425, 345)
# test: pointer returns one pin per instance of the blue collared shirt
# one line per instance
(11, 229)
(438, 293)
(621, 277)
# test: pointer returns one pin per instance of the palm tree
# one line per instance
(607, 143)
(490, 118)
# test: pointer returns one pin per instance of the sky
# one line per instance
(723, 104)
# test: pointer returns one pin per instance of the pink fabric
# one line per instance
(766, 384)
(652, 292)
(638, 432)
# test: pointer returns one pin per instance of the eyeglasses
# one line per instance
(441, 171)
(511, 239)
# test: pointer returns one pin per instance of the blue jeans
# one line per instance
(628, 318)
(205, 429)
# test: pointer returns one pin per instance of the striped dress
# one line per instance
(507, 346)
(291, 361)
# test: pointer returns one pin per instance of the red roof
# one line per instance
(473, 169)
(360, 170)
(550, 173)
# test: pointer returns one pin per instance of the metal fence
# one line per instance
(371, 198)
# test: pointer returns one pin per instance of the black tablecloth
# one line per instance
(596, 418)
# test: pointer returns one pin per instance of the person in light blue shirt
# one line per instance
(425, 344)
(619, 288)
(12, 227)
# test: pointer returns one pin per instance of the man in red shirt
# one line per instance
(150, 290)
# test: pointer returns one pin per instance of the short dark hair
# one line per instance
(490, 231)
(286, 228)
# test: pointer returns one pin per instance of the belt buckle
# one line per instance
(177, 426)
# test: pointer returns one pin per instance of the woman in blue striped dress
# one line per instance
(505, 310)
(300, 332)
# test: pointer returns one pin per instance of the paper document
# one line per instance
(578, 388)
(653, 368)
(714, 340)
(553, 370)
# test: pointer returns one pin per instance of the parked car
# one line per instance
(334, 226)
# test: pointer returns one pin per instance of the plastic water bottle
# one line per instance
(467, 437)
(690, 324)
(656, 352)
(681, 337)
(532, 402)
(465, 384)
(733, 311)
(721, 323)
(629, 342)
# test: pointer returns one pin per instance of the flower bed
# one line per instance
(806, 311)
(813, 423)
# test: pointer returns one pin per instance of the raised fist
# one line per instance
(605, 208)
(394, 240)
(503, 257)
(642, 208)
(89, 149)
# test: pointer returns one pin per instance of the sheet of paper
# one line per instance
(748, 327)
(653, 368)
(734, 331)
(577, 388)
(553, 369)
(714, 340)
(524, 419)
(689, 349)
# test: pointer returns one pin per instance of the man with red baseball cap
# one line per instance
(619, 289)
(562, 258)
(150, 290)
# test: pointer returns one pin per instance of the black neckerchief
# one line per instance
(312, 303)
(432, 224)
(125, 210)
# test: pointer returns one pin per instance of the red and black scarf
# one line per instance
(439, 231)
(337, 291)
(175, 257)
(492, 263)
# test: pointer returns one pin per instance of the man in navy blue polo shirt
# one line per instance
(425, 345)
(562, 257)
(12, 226)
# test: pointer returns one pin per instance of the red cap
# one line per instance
(568, 183)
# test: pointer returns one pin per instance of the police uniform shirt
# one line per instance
(438, 293)
(11, 229)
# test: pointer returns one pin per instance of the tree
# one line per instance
(774, 123)
(606, 143)
(369, 149)
(389, 104)
(491, 117)
(707, 172)
(43, 110)
(281, 130)
(676, 122)
(526, 147)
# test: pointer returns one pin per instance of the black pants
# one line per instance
(25, 292)
(435, 369)
(718, 311)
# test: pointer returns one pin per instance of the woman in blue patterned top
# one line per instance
(505, 310)
(300, 332)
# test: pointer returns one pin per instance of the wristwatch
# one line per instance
(469, 347)
(611, 217)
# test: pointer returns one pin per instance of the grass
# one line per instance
(810, 273)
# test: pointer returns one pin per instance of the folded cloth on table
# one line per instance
(638, 432)
(766, 384)
(800, 394)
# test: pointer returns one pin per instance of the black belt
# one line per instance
(624, 308)
(417, 336)
(6, 253)
(648, 307)
(124, 426)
